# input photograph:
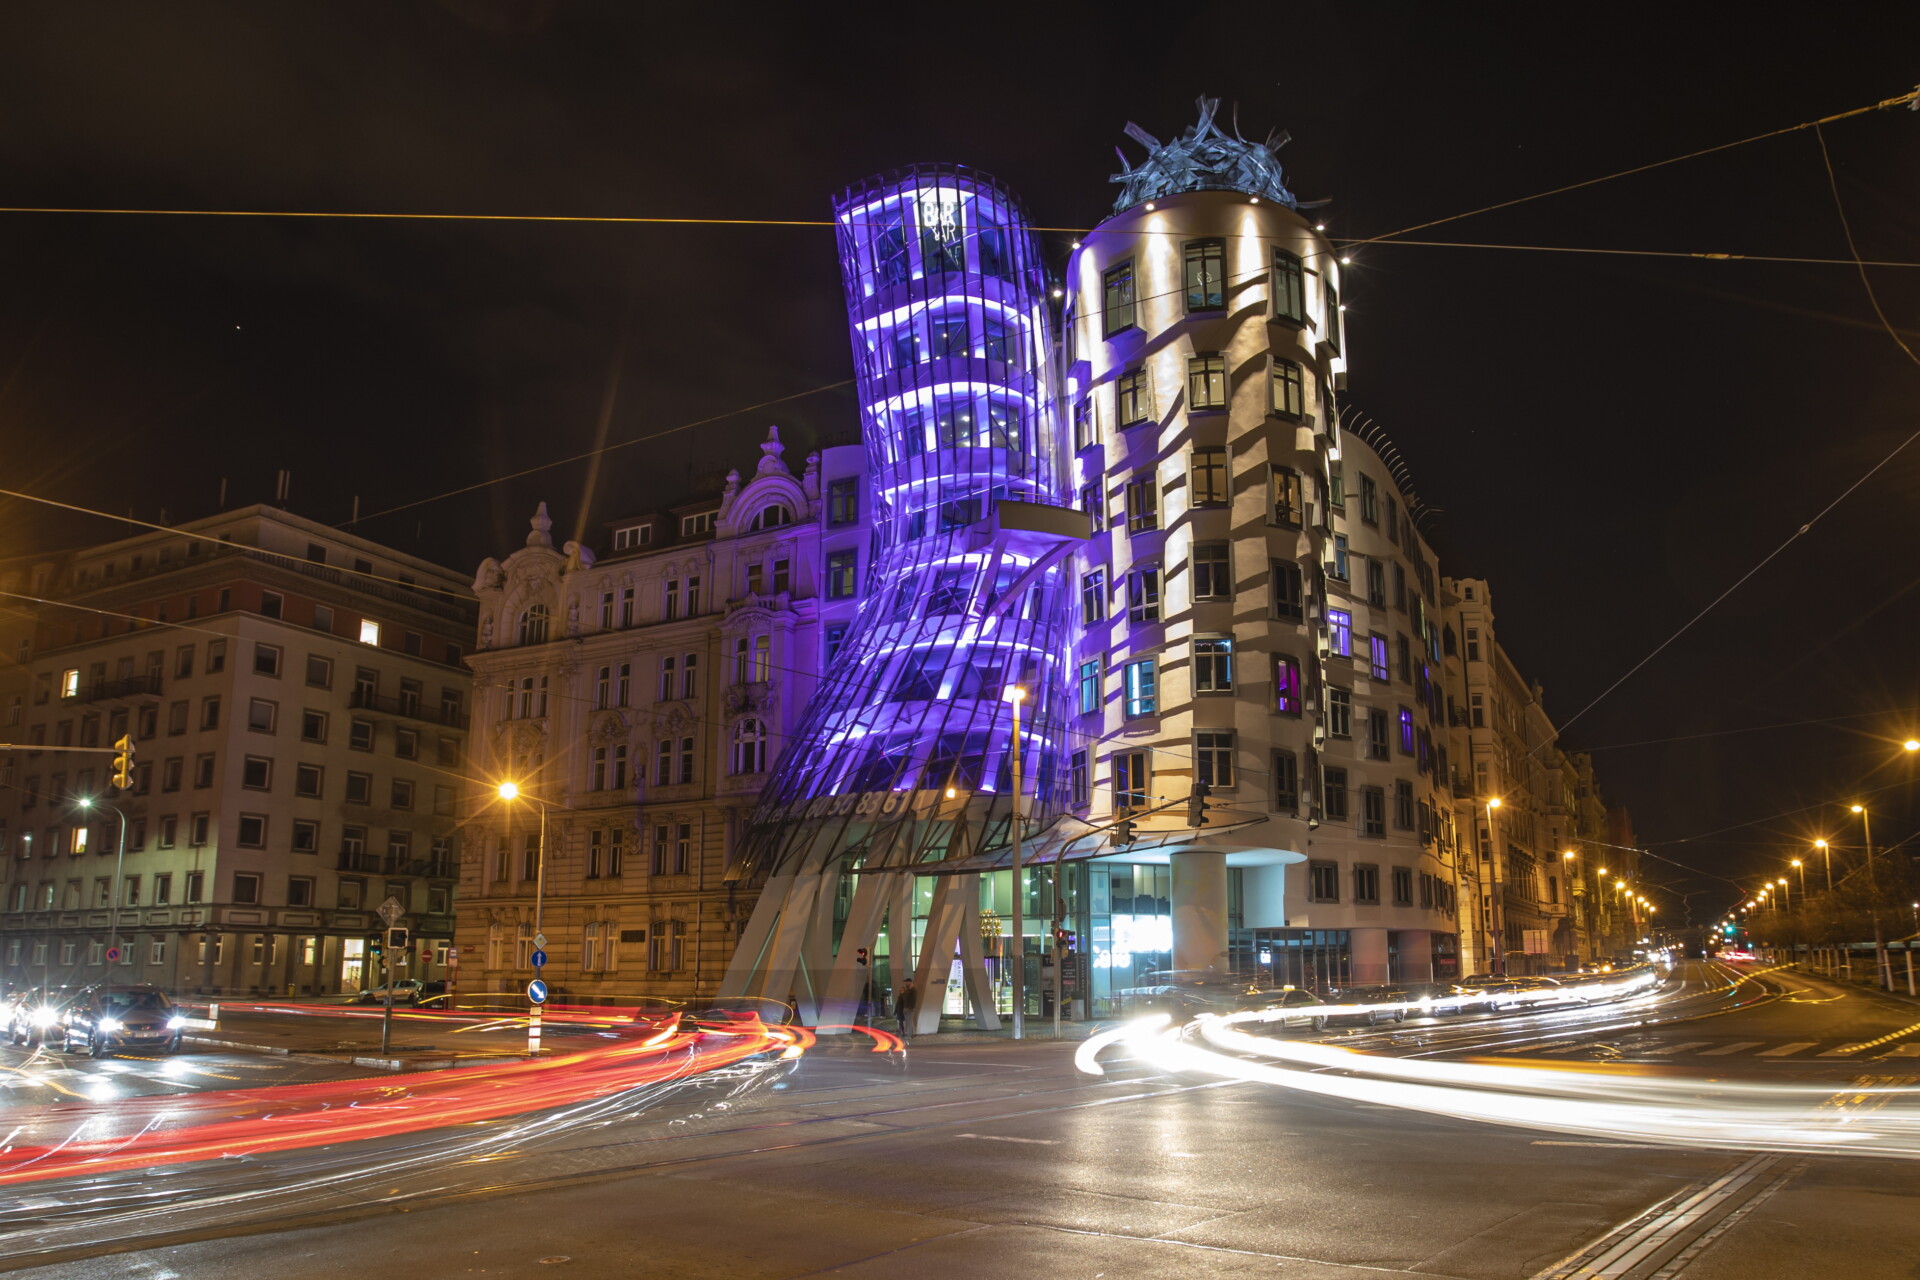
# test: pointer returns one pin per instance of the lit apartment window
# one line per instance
(1090, 686)
(370, 632)
(1340, 632)
(1289, 395)
(1143, 595)
(1207, 382)
(1207, 477)
(1093, 596)
(1288, 507)
(1130, 779)
(1117, 301)
(1288, 292)
(1140, 687)
(1213, 665)
(1133, 399)
(1206, 275)
(1286, 684)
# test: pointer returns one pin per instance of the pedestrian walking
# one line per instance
(905, 1004)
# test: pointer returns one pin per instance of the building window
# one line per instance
(209, 713)
(1403, 804)
(1286, 684)
(253, 831)
(1366, 885)
(1376, 584)
(1289, 397)
(256, 773)
(1089, 686)
(1206, 275)
(1369, 501)
(1333, 318)
(836, 637)
(843, 502)
(266, 660)
(1213, 757)
(1133, 400)
(1084, 431)
(262, 715)
(749, 747)
(1287, 501)
(1117, 305)
(306, 836)
(1207, 477)
(1212, 571)
(1130, 779)
(1143, 595)
(1143, 504)
(1289, 294)
(1289, 591)
(1334, 801)
(1377, 657)
(1406, 731)
(1286, 782)
(1077, 784)
(697, 525)
(1207, 382)
(1477, 704)
(1339, 712)
(1323, 881)
(246, 887)
(1340, 633)
(1403, 886)
(1093, 502)
(1093, 596)
(1140, 688)
(1376, 734)
(842, 567)
(686, 760)
(1213, 665)
(633, 535)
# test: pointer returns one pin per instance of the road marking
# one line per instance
(1731, 1048)
(1647, 1244)
(1624, 1146)
(1677, 1048)
(1781, 1051)
(1842, 1050)
(1904, 1051)
(994, 1137)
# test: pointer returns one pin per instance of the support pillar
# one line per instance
(954, 916)
(1416, 955)
(846, 986)
(1200, 910)
(1369, 956)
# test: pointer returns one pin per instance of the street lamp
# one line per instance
(1496, 924)
(1801, 867)
(119, 861)
(511, 791)
(1826, 853)
(1883, 963)
(1016, 695)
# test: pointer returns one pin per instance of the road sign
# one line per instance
(539, 959)
(539, 942)
(391, 910)
(113, 955)
(453, 955)
(537, 991)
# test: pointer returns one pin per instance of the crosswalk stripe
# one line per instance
(1677, 1048)
(1731, 1048)
(1909, 1050)
(1842, 1050)
(1781, 1051)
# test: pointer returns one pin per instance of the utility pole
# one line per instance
(1016, 695)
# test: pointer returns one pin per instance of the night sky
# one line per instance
(1611, 440)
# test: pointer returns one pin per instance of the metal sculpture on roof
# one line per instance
(1204, 159)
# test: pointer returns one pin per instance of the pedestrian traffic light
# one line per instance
(123, 762)
(373, 949)
(397, 939)
(860, 956)
(1197, 804)
(1122, 828)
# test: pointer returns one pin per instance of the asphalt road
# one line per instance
(43, 1075)
(964, 1160)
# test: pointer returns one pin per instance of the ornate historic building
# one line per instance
(639, 699)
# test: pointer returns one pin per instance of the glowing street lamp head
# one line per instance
(85, 802)
(509, 790)
(1819, 844)
(1015, 694)
(1568, 855)
(1857, 808)
(1493, 802)
(1796, 862)
(1911, 744)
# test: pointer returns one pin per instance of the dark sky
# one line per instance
(1611, 440)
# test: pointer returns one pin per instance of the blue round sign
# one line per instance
(539, 959)
(537, 991)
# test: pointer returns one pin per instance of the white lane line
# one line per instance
(1842, 1050)
(994, 1137)
(1725, 1049)
(1781, 1051)
(1625, 1146)
(1676, 1048)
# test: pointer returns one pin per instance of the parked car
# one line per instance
(106, 1018)
(405, 991)
(1490, 992)
(1292, 998)
(1371, 997)
(28, 1014)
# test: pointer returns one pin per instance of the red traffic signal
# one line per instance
(860, 956)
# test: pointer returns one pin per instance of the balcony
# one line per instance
(407, 708)
(380, 864)
(108, 690)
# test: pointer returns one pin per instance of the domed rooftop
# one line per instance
(1203, 159)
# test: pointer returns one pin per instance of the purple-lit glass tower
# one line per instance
(903, 756)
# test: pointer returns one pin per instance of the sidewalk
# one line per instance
(356, 1041)
(1858, 985)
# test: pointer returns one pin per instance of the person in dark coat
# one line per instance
(906, 1003)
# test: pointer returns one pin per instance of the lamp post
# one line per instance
(1882, 962)
(1496, 931)
(1016, 695)
(1801, 867)
(119, 863)
(511, 791)
(1826, 854)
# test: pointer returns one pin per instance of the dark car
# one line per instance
(405, 991)
(103, 1019)
(1488, 991)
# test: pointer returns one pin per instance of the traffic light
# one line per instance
(1063, 941)
(1197, 804)
(123, 762)
(860, 956)
(397, 939)
(374, 948)
(1122, 828)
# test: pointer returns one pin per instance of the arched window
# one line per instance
(533, 625)
(772, 517)
(749, 746)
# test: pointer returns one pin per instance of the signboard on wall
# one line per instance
(1535, 941)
